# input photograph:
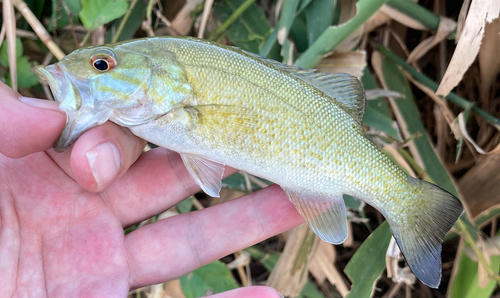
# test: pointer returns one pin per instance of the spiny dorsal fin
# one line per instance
(343, 89)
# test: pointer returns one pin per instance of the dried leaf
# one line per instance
(462, 16)
(290, 273)
(489, 246)
(480, 13)
(322, 267)
(348, 9)
(377, 19)
(351, 62)
(479, 186)
(402, 18)
(376, 93)
(243, 259)
(394, 271)
(463, 129)
(445, 27)
(182, 22)
(489, 60)
(399, 159)
(173, 289)
(447, 113)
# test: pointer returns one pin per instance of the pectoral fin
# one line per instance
(206, 173)
(325, 213)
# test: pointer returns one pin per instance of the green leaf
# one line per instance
(379, 121)
(351, 202)
(186, 205)
(298, 33)
(250, 30)
(131, 26)
(409, 111)
(212, 278)
(319, 15)
(99, 12)
(25, 76)
(334, 35)
(310, 291)
(464, 284)
(237, 182)
(378, 104)
(368, 263)
(4, 56)
(377, 113)
(59, 17)
(287, 16)
(285, 23)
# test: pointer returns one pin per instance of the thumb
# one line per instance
(27, 125)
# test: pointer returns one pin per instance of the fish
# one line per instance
(218, 105)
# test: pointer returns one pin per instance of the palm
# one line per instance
(61, 234)
(69, 239)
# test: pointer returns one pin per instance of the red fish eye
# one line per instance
(103, 60)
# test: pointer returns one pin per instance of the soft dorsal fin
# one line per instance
(343, 89)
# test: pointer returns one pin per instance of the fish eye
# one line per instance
(103, 60)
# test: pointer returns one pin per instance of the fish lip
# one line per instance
(77, 121)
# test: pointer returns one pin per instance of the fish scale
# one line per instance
(217, 105)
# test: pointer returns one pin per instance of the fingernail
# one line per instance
(105, 162)
(40, 103)
(281, 295)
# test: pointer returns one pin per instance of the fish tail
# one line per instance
(422, 228)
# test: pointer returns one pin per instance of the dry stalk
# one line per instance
(204, 18)
(9, 22)
(38, 28)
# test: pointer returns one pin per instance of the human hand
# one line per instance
(61, 231)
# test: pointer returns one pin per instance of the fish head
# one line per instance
(125, 84)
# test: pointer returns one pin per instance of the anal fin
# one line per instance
(324, 213)
(206, 173)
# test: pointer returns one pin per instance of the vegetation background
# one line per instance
(409, 55)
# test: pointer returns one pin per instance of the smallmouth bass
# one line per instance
(217, 105)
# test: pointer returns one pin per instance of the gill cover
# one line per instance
(129, 84)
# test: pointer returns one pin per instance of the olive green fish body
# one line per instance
(217, 105)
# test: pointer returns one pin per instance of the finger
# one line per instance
(27, 127)
(103, 154)
(156, 182)
(177, 245)
(250, 292)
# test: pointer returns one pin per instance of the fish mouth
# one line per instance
(75, 99)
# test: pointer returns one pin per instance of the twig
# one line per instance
(38, 28)
(204, 18)
(149, 11)
(9, 23)
(25, 34)
(85, 38)
(165, 21)
(124, 21)
(72, 25)
(2, 35)
(197, 204)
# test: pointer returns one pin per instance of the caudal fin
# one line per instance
(422, 229)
